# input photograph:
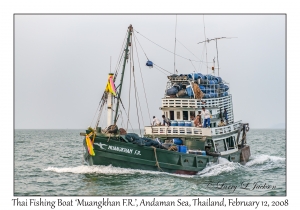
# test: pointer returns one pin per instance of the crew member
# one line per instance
(197, 121)
(166, 120)
(206, 114)
(222, 123)
(155, 121)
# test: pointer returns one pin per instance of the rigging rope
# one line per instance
(135, 37)
(142, 77)
(95, 114)
(101, 108)
(140, 106)
(139, 44)
(120, 59)
(160, 71)
(128, 119)
(163, 69)
(193, 66)
(156, 161)
(135, 89)
(129, 95)
(205, 44)
(175, 44)
(188, 50)
(167, 49)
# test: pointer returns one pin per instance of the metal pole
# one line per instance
(122, 76)
(217, 56)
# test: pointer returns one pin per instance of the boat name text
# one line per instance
(118, 149)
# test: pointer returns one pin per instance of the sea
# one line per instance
(50, 163)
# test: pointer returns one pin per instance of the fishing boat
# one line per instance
(180, 146)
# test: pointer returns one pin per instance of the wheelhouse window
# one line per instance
(185, 115)
(171, 115)
(220, 145)
(230, 143)
(192, 113)
(178, 115)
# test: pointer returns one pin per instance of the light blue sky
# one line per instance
(62, 62)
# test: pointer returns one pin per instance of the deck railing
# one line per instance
(191, 131)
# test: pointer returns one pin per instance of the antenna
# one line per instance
(216, 39)
(205, 45)
(175, 44)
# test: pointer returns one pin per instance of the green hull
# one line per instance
(112, 151)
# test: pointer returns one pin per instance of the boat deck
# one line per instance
(191, 131)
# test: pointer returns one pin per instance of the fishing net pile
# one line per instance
(142, 141)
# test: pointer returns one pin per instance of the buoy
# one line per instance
(149, 63)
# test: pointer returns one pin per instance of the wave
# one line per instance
(110, 170)
(223, 165)
(94, 170)
(262, 159)
(212, 169)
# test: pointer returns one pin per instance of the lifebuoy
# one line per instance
(247, 128)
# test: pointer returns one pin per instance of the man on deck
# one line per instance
(155, 121)
(166, 120)
(222, 123)
(206, 114)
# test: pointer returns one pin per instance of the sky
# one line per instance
(62, 63)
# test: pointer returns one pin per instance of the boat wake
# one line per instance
(222, 166)
(265, 159)
(110, 170)
(212, 169)
(97, 169)
(225, 166)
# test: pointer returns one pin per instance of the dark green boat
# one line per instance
(177, 147)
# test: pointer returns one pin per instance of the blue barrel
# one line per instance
(172, 91)
(207, 90)
(203, 81)
(226, 94)
(219, 79)
(181, 123)
(174, 123)
(182, 148)
(221, 85)
(189, 90)
(177, 141)
(194, 76)
(188, 124)
(202, 88)
(200, 76)
(212, 82)
(203, 153)
(209, 77)
(226, 87)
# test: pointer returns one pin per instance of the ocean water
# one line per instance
(50, 163)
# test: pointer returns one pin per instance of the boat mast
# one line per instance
(130, 28)
(109, 106)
